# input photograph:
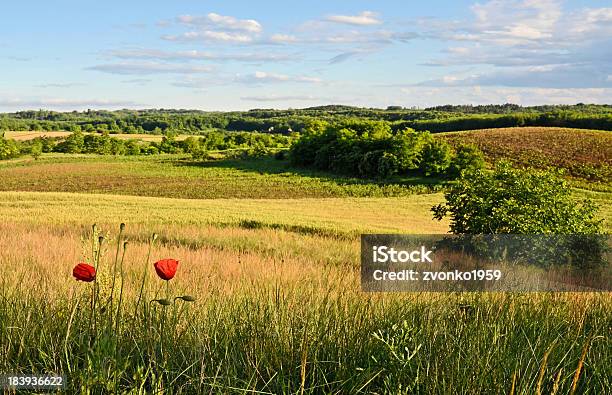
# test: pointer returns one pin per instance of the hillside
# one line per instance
(585, 154)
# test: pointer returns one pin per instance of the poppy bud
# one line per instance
(163, 302)
(84, 272)
(166, 268)
(187, 298)
(122, 226)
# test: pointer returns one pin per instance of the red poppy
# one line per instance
(84, 272)
(166, 268)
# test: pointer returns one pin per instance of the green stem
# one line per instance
(146, 271)
(121, 227)
(118, 318)
(95, 287)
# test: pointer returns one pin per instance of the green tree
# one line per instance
(467, 157)
(73, 144)
(435, 157)
(8, 148)
(509, 200)
(36, 149)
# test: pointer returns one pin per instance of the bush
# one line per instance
(8, 149)
(280, 155)
(368, 165)
(467, 157)
(515, 201)
(388, 165)
(435, 157)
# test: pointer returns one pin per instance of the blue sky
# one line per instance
(221, 55)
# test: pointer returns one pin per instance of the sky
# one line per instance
(237, 55)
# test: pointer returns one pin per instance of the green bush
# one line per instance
(8, 149)
(436, 157)
(515, 201)
(467, 157)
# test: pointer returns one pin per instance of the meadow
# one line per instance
(271, 254)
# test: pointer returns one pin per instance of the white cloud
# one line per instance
(211, 35)
(277, 98)
(150, 68)
(433, 96)
(265, 77)
(63, 104)
(201, 55)
(527, 43)
(222, 22)
(366, 18)
(283, 38)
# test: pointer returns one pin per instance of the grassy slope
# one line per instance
(585, 154)
(179, 177)
(410, 215)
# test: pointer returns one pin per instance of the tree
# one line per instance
(435, 157)
(515, 201)
(8, 148)
(73, 144)
(467, 157)
(36, 149)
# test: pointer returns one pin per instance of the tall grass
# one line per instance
(265, 324)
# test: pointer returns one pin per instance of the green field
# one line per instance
(180, 177)
(271, 253)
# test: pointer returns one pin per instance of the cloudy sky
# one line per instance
(225, 55)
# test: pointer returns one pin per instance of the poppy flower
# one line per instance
(166, 268)
(84, 272)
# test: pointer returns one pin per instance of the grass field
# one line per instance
(279, 308)
(179, 177)
(272, 255)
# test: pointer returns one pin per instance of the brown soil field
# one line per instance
(585, 154)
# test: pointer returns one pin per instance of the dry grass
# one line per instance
(24, 136)
(272, 324)
(345, 216)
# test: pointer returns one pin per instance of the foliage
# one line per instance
(105, 144)
(436, 157)
(467, 157)
(436, 119)
(515, 201)
(370, 149)
(8, 149)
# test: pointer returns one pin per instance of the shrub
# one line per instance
(510, 200)
(368, 165)
(280, 155)
(8, 149)
(435, 157)
(467, 157)
(388, 165)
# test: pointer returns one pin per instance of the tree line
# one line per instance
(372, 149)
(435, 119)
(105, 144)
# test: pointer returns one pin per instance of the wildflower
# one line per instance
(166, 268)
(84, 272)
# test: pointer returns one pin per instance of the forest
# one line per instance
(435, 119)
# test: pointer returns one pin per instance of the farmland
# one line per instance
(271, 253)
(29, 135)
(584, 154)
